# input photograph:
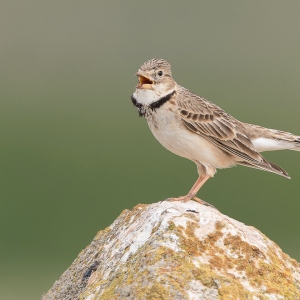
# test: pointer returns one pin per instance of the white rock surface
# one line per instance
(174, 250)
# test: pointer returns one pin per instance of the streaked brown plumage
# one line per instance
(195, 128)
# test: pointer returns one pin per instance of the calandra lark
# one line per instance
(192, 127)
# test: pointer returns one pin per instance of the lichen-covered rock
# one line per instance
(174, 250)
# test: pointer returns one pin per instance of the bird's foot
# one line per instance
(181, 198)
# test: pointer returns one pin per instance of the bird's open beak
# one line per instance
(144, 82)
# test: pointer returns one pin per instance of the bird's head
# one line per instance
(155, 75)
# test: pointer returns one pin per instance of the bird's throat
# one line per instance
(152, 106)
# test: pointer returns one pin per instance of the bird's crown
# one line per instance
(156, 63)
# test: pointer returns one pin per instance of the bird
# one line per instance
(192, 127)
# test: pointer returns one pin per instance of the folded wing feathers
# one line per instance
(270, 168)
(225, 128)
(209, 121)
(242, 148)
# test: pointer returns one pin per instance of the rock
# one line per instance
(174, 250)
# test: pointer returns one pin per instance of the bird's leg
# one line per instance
(192, 193)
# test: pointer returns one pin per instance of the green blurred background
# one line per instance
(74, 152)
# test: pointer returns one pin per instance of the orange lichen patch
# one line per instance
(218, 261)
(191, 243)
(139, 207)
(172, 225)
(213, 237)
(204, 274)
(191, 216)
(219, 225)
(158, 292)
(229, 291)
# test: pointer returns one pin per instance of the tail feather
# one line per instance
(297, 143)
(265, 139)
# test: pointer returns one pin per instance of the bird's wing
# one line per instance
(221, 129)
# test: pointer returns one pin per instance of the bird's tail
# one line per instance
(297, 144)
(265, 139)
(291, 141)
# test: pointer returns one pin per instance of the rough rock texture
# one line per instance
(174, 250)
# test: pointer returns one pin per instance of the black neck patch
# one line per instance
(161, 101)
(140, 107)
(153, 106)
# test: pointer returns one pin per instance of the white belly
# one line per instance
(170, 131)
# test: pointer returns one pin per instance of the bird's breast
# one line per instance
(168, 128)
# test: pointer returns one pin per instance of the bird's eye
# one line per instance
(160, 73)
